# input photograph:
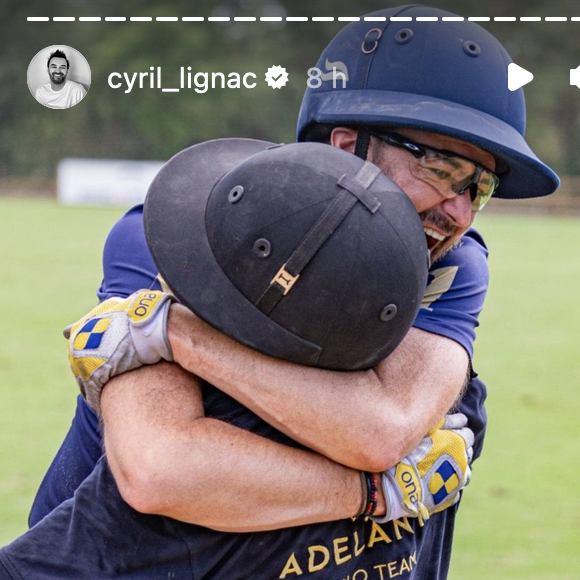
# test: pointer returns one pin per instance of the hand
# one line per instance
(118, 336)
(429, 479)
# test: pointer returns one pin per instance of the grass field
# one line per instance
(520, 518)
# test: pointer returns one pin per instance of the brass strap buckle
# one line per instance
(285, 279)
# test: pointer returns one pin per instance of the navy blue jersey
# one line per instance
(97, 536)
(131, 545)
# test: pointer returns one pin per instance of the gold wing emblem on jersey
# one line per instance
(442, 280)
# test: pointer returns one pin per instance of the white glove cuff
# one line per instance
(150, 339)
(394, 505)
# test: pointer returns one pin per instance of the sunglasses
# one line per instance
(450, 173)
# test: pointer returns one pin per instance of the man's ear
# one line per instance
(344, 138)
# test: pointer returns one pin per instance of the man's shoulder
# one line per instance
(127, 263)
(73, 86)
(43, 88)
(471, 252)
(463, 271)
(456, 289)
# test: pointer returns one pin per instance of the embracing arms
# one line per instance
(169, 459)
(368, 419)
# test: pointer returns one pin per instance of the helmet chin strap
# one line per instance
(363, 139)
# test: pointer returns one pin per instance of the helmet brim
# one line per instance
(175, 229)
(526, 175)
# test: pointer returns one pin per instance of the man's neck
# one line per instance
(58, 87)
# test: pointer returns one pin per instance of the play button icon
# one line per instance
(518, 76)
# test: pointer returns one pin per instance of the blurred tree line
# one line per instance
(150, 124)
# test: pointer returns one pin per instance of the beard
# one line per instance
(444, 249)
(57, 79)
(433, 218)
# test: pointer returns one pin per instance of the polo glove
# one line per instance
(117, 336)
(429, 479)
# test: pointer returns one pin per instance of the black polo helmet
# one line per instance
(303, 251)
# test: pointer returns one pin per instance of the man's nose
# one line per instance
(458, 209)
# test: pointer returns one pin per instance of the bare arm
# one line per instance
(367, 420)
(168, 459)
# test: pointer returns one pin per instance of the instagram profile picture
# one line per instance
(59, 77)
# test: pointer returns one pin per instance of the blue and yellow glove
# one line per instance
(429, 479)
(118, 336)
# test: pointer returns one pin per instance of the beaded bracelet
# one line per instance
(369, 495)
(372, 482)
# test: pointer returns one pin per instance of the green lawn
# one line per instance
(51, 268)
(520, 517)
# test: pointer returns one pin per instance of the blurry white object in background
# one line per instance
(109, 182)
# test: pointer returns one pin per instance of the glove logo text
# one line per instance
(409, 483)
(146, 303)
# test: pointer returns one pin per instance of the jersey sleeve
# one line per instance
(456, 289)
(127, 263)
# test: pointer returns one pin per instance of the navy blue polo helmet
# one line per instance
(448, 77)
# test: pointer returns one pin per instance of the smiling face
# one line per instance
(57, 70)
(444, 219)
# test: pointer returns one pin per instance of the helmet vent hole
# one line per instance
(403, 36)
(471, 48)
(388, 312)
(236, 194)
(262, 248)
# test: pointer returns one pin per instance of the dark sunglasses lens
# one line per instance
(473, 189)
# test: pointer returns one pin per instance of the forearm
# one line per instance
(168, 459)
(367, 420)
